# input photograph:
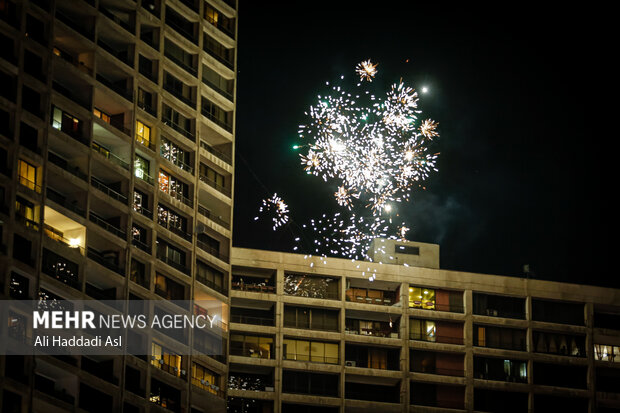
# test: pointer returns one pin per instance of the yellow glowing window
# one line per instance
(212, 15)
(25, 208)
(204, 378)
(143, 133)
(420, 297)
(27, 175)
(164, 359)
(101, 115)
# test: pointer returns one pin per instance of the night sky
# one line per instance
(526, 159)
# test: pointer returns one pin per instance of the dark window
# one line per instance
(499, 306)
(372, 392)
(500, 401)
(560, 375)
(500, 369)
(406, 249)
(313, 318)
(210, 277)
(495, 337)
(35, 29)
(29, 137)
(11, 402)
(558, 312)
(310, 383)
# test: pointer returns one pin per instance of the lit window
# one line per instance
(164, 182)
(164, 359)
(27, 175)
(422, 298)
(141, 167)
(204, 378)
(101, 115)
(143, 133)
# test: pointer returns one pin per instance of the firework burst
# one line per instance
(366, 70)
(370, 146)
(278, 208)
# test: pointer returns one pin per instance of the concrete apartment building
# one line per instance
(116, 173)
(323, 338)
(116, 181)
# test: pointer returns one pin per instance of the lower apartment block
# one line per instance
(314, 335)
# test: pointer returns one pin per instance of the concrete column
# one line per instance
(468, 332)
(591, 379)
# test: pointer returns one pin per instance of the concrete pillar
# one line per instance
(468, 332)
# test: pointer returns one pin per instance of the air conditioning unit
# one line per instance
(349, 363)
(200, 228)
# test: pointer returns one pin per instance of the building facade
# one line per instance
(323, 338)
(116, 181)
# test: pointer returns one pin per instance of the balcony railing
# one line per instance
(62, 201)
(228, 95)
(429, 305)
(215, 185)
(174, 264)
(140, 174)
(435, 338)
(66, 19)
(440, 371)
(109, 155)
(147, 108)
(100, 259)
(122, 55)
(56, 235)
(29, 184)
(218, 154)
(142, 210)
(185, 99)
(211, 250)
(146, 143)
(188, 134)
(27, 222)
(224, 125)
(218, 220)
(374, 332)
(179, 163)
(71, 95)
(107, 190)
(106, 225)
(259, 321)
(381, 298)
(178, 231)
(124, 92)
(253, 287)
(116, 19)
(304, 357)
(61, 163)
(189, 69)
(181, 30)
(228, 62)
(220, 288)
(141, 245)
